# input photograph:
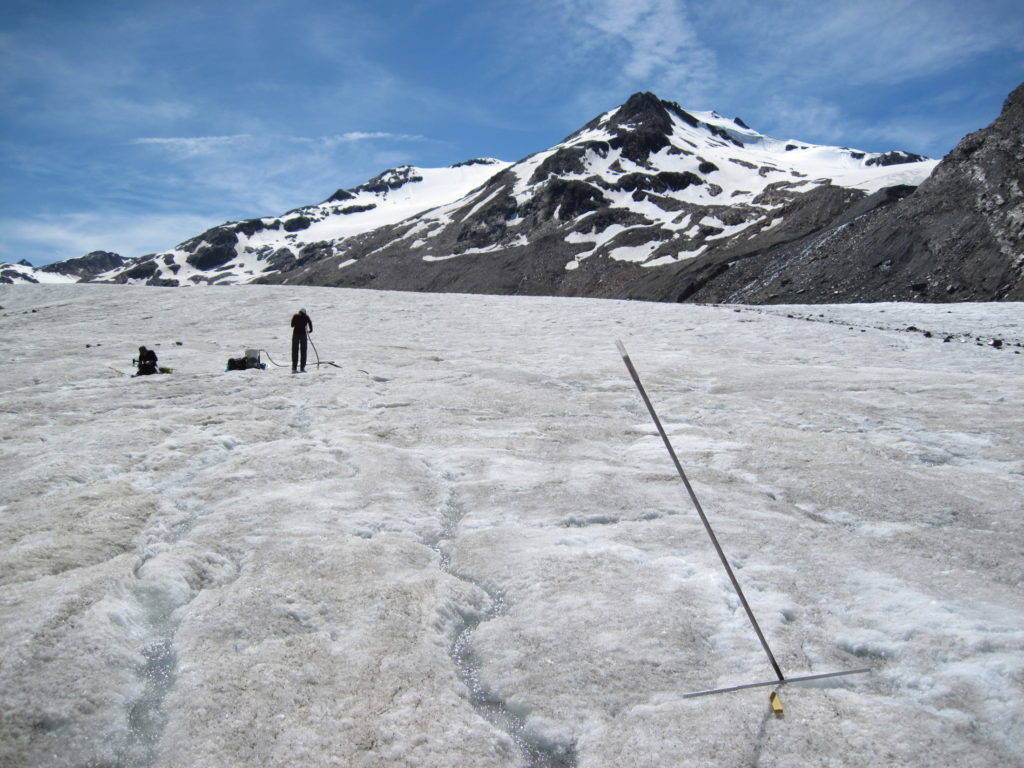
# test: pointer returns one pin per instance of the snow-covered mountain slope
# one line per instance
(240, 252)
(649, 184)
(651, 201)
(479, 554)
(15, 274)
(67, 271)
(652, 183)
(958, 237)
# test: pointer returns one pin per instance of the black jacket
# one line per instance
(301, 324)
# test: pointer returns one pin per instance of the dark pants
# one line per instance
(299, 348)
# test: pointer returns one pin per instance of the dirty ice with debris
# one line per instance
(467, 545)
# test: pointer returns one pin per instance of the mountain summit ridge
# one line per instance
(649, 201)
(644, 186)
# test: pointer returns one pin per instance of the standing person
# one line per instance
(301, 325)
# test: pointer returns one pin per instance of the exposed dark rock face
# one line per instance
(643, 126)
(565, 200)
(280, 260)
(662, 182)
(957, 237)
(250, 227)
(340, 196)
(143, 269)
(212, 249)
(350, 209)
(474, 161)
(12, 276)
(783, 264)
(490, 225)
(895, 158)
(314, 252)
(92, 263)
(390, 180)
(563, 162)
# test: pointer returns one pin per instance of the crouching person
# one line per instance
(146, 362)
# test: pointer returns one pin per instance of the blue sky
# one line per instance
(132, 126)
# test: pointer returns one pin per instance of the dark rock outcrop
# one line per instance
(390, 180)
(214, 248)
(12, 276)
(91, 264)
(144, 268)
(958, 237)
(296, 224)
(895, 158)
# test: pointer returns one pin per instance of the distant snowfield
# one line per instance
(18, 274)
(468, 546)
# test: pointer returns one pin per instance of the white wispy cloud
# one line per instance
(247, 175)
(910, 38)
(809, 118)
(657, 34)
(194, 146)
(806, 69)
(645, 45)
(357, 136)
(799, 44)
(48, 237)
(51, 86)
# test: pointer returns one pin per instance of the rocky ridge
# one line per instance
(652, 201)
(244, 251)
(959, 236)
(618, 206)
(69, 270)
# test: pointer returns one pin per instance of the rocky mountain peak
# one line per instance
(93, 263)
(651, 201)
(641, 110)
(391, 179)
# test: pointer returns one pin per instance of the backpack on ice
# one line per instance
(251, 359)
